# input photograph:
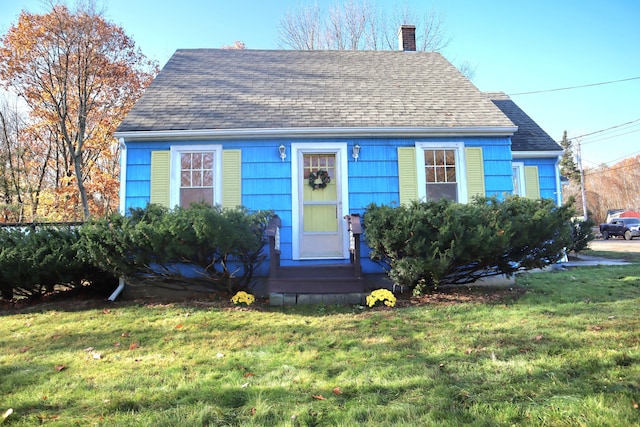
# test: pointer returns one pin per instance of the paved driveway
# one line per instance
(616, 245)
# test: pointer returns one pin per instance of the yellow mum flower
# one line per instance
(383, 296)
(242, 297)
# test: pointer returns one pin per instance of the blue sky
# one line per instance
(515, 46)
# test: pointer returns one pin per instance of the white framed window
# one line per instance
(441, 171)
(518, 179)
(196, 175)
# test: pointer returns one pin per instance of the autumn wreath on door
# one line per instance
(319, 179)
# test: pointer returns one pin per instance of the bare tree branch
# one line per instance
(358, 25)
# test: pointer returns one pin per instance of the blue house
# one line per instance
(317, 136)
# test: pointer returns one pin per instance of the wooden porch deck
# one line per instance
(317, 278)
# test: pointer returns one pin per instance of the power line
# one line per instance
(613, 162)
(604, 130)
(574, 87)
(617, 135)
(590, 172)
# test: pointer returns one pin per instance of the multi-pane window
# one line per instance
(316, 162)
(196, 178)
(440, 174)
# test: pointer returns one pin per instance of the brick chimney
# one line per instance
(407, 38)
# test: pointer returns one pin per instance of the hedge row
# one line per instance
(427, 244)
(208, 246)
(422, 245)
(39, 260)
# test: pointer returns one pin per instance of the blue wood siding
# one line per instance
(266, 179)
(546, 176)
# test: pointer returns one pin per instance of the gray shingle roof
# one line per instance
(201, 89)
(529, 136)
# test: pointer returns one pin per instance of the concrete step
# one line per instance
(354, 298)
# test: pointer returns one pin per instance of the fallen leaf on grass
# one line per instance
(60, 368)
(24, 349)
(96, 356)
(635, 405)
(245, 385)
(319, 397)
(252, 411)
(134, 345)
(249, 374)
(179, 326)
(539, 337)
(6, 414)
(596, 328)
(219, 355)
(125, 334)
(106, 311)
(337, 391)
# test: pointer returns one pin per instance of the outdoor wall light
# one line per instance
(283, 152)
(355, 153)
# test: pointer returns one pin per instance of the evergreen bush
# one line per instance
(43, 259)
(427, 244)
(204, 245)
(581, 234)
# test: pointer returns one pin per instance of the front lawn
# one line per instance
(560, 349)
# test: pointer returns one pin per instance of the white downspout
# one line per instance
(558, 182)
(565, 257)
(118, 290)
(123, 186)
(123, 175)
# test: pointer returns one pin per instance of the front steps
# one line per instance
(278, 299)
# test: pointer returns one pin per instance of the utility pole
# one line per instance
(584, 192)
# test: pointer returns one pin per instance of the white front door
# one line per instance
(319, 201)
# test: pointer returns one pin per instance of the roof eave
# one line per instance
(266, 133)
(536, 154)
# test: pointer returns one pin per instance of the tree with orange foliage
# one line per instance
(79, 75)
(26, 160)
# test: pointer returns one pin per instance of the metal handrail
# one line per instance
(354, 227)
(273, 234)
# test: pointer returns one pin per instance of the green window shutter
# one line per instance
(160, 177)
(475, 172)
(531, 182)
(407, 174)
(231, 178)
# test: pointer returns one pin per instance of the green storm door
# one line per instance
(321, 207)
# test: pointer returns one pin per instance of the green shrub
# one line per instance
(427, 244)
(222, 246)
(581, 234)
(42, 259)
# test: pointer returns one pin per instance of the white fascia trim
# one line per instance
(535, 154)
(413, 132)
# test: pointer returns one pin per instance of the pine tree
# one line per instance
(568, 167)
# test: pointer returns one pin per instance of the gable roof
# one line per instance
(529, 136)
(216, 89)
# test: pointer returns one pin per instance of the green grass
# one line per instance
(567, 353)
